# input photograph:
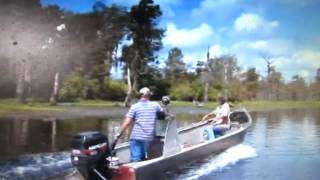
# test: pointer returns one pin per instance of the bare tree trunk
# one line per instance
(135, 73)
(135, 82)
(206, 88)
(127, 101)
(27, 82)
(54, 96)
(108, 61)
(20, 89)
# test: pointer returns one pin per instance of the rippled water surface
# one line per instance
(281, 144)
(287, 145)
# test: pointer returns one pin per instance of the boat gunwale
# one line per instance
(141, 164)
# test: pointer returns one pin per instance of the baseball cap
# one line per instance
(145, 91)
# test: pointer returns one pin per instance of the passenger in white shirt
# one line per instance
(221, 122)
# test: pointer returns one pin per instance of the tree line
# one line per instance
(62, 56)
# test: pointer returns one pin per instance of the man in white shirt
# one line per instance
(221, 122)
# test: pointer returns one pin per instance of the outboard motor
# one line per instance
(89, 153)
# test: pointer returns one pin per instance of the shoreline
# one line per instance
(87, 109)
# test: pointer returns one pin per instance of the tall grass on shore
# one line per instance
(259, 105)
(12, 106)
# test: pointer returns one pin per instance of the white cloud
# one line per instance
(308, 58)
(303, 63)
(167, 7)
(304, 73)
(252, 23)
(216, 50)
(294, 3)
(194, 57)
(271, 47)
(259, 45)
(287, 58)
(209, 6)
(187, 37)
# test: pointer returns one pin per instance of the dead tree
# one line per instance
(270, 69)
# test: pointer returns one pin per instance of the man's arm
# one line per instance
(214, 112)
(126, 123)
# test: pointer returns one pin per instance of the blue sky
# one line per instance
(288, 31)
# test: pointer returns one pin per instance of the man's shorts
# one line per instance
(219, 130)
(139, 150)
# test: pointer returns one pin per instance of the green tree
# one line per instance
(220, 72)
(251, 83)
(146, 40)
(315, 86)
(277, 84)
(175, 67)
(96, 38)
(297, 88)
(145, 34)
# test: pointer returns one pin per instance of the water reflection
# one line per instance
(287, 144)
(287, 141)
(23, 136)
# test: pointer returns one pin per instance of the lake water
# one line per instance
(281, 144)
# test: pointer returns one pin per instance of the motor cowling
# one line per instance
(89, 153)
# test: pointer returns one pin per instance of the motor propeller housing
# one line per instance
(89, 153)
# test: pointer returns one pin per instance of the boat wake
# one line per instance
(217, 163)
(37, 166)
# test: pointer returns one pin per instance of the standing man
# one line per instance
(143, 116)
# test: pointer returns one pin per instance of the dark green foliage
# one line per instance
(7, 80)
(33, 51)
(297, 88)
(318, 75)
(146, 38)
(175, 67)
(71, 88)
(114, 90)
(143, 31)
(251, 83)
(182, 92)
(153, 79)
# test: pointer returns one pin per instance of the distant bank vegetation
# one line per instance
(61, 57)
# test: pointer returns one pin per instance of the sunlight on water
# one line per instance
(36, 166)
(219, 162)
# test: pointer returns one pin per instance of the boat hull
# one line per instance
(174, 161)
(151, 169)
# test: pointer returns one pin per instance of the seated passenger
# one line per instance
(221, 123)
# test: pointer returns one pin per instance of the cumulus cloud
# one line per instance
(209, 6)
(217, 50)
(294, 3)
(193, 57)
(259, 45)
(308, 58)
(287, 58)
(252, 23)
(270, 47)
(187, 37)
(304, 73)
(302, 62)
(301, 59)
